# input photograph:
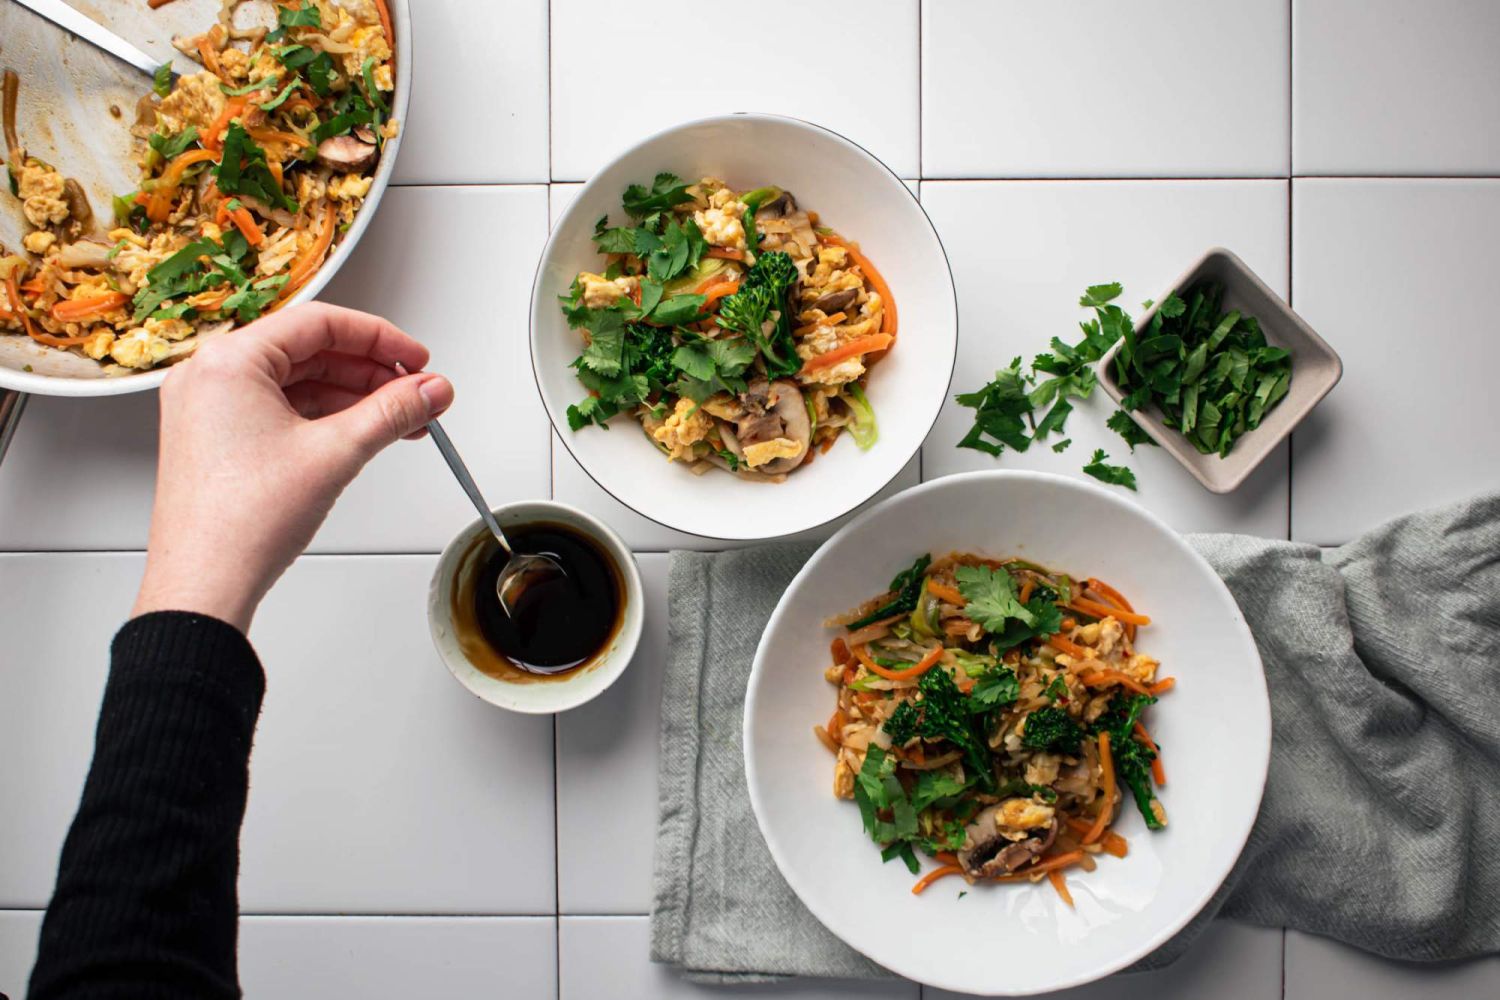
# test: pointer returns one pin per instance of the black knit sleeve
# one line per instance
(145, 903)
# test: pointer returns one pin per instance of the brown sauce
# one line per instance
(558, 627)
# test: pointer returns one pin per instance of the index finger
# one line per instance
(304, 331)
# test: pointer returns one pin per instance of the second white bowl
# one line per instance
(864, 202)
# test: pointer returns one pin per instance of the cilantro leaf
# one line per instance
(243, 170)
(999, 411)
(161, 80)
(991, 596)
(1121, 423)
(678, 310)
(171, 147)
(1115, 475)
(682, 245)
(1062, 445)
(998, 687)
(666, 192)
(1099, 295)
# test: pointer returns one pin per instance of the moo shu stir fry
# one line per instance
(249, 171)
(733, 325)
(991, 714)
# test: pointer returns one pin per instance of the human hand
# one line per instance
(260, 432)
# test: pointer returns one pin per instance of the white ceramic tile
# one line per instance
(1397, 276)
(80, 473)
(379, 785)
(18, 936)
(1395, 86)
(1229, 962)
(610, 957)
(1320, 969)
(606, 775)
(373, 958)
(1023, 251)
(394, 958)
(1161, 88)
(60, 612)
(850, 65)
(479, 94)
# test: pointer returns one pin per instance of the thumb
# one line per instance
(396, 410)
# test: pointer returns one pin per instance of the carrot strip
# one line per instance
(943, 592)
(726, 253)
(1065, 645)
(1026, 588)
(1103, 678)
(153, 4)
(73, 310)
(232, 108)
(917, 670)
(850, 349)
(946, 857)
(264, 135)
(841, 654)
(825, 739)
(385, 25)
(1112, 842)
(1163, 686)
(1114, 597)
(1055, 876)
(835, 725)
(888, 323)
(18, 309)
(245, 223)
(209, 57)
(1098, 610)
(1158, 772)
(1107, 801)
(306, 266)
(172, 176)
(712, 291)
(1045, 865)
(933, 876)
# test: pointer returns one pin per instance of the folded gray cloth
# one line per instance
(1381, 816)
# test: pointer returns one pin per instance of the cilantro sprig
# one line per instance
(995, 604)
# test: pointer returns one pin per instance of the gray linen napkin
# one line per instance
(1381, 814)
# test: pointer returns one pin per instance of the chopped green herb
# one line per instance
(1115, 475)
(161, 80)
(1122, 424)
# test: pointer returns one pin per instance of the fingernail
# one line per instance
(437, 393)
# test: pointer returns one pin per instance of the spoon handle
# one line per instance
(461, 472)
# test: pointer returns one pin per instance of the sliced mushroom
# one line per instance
(84, 255)
(988, 853)
(78, 204)
(780, 206)
(280, 216)
(832, 302)
(792, 410)
(345, 154)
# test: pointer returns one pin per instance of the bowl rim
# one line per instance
(36, 384)
(1258, 448)
(631, 628)
(566, 217)
(1258, 716)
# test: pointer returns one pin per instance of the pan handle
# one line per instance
(11, 405)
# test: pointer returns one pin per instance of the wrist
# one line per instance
(165, 588)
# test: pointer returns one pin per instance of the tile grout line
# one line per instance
(556, 864)
(921, 93)
(1283, 963)
(1291, 166)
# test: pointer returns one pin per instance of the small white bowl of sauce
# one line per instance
(567, 641)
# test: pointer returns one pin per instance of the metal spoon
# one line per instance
(522, 569)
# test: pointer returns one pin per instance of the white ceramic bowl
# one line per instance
(540, 696)
(865, 202)
(1214, 727)
(62, 373)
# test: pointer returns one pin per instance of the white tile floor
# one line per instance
(404, 840)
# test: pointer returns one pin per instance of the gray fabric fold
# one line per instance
(1381, 815)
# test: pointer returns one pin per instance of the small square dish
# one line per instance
(1316, 369)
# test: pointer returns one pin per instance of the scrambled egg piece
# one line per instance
(196, 100)
(369, 43)
(1023, 814)
(720, 222)
(97, 347)
(759, 454)
(169, 329)
(40, 189)
(601, 293)
(349, 187)
(236, 64)
(134, 261)
(38, 242)
(684, 427)
(139, 348)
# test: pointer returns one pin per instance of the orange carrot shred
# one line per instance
(933, 876)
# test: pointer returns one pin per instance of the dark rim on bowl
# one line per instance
(536, 374)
